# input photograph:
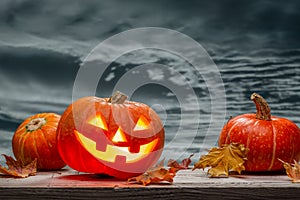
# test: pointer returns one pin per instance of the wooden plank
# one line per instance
(69, 184)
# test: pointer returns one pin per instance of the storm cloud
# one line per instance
(254, 43)
(77, 26)
(43, 42)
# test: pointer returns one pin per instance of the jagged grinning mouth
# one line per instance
(113, 151)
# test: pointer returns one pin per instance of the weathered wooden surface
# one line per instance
(68, 184)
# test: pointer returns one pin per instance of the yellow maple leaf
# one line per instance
(292, 170)
(223, 159)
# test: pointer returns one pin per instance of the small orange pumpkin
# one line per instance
(111, 136)
(35, 138)
(268, 138)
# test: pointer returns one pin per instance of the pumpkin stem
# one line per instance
(35, 124)
(117, 98)
(263, 110)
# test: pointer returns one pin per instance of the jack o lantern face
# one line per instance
(115, 147)
(121, 139)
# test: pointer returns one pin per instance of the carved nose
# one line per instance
(119, 136)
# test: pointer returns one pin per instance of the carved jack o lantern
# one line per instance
(116, 137)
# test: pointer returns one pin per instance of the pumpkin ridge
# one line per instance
(42, 135)
(51, 125)
(229, 131)
(274, 133)
(22, 132)
(19, 151)
(52, 121)
(35, 139)
(23, 141)
(110, 118)
(293, 154)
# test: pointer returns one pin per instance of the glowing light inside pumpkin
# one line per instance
(119, 136)
(98, 121)
(142, 124)
(113, 151)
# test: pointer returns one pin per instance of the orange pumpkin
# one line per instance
(36, 138)
(115, 137)
(268, 138)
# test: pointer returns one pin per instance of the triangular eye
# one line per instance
(119, 136)
(98, 121)
(142, 124)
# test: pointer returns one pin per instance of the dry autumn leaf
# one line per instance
(292, 170)
(17, 169)
(155, 175)
(183, 165)
(223, 159)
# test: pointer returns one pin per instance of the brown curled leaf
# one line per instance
(179, 166)
(18, 169)
(154, 175)
(292, 170)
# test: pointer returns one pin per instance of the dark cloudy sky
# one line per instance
(42, 42)
(82, 24)
(254, 43)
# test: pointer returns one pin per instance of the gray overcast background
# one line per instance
(42, 23)
(255, 44)
(60, 33)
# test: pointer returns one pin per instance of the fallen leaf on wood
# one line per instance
(18, 169)
(223, 159)
(156, 174)
(292, 170)
(179, 166)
